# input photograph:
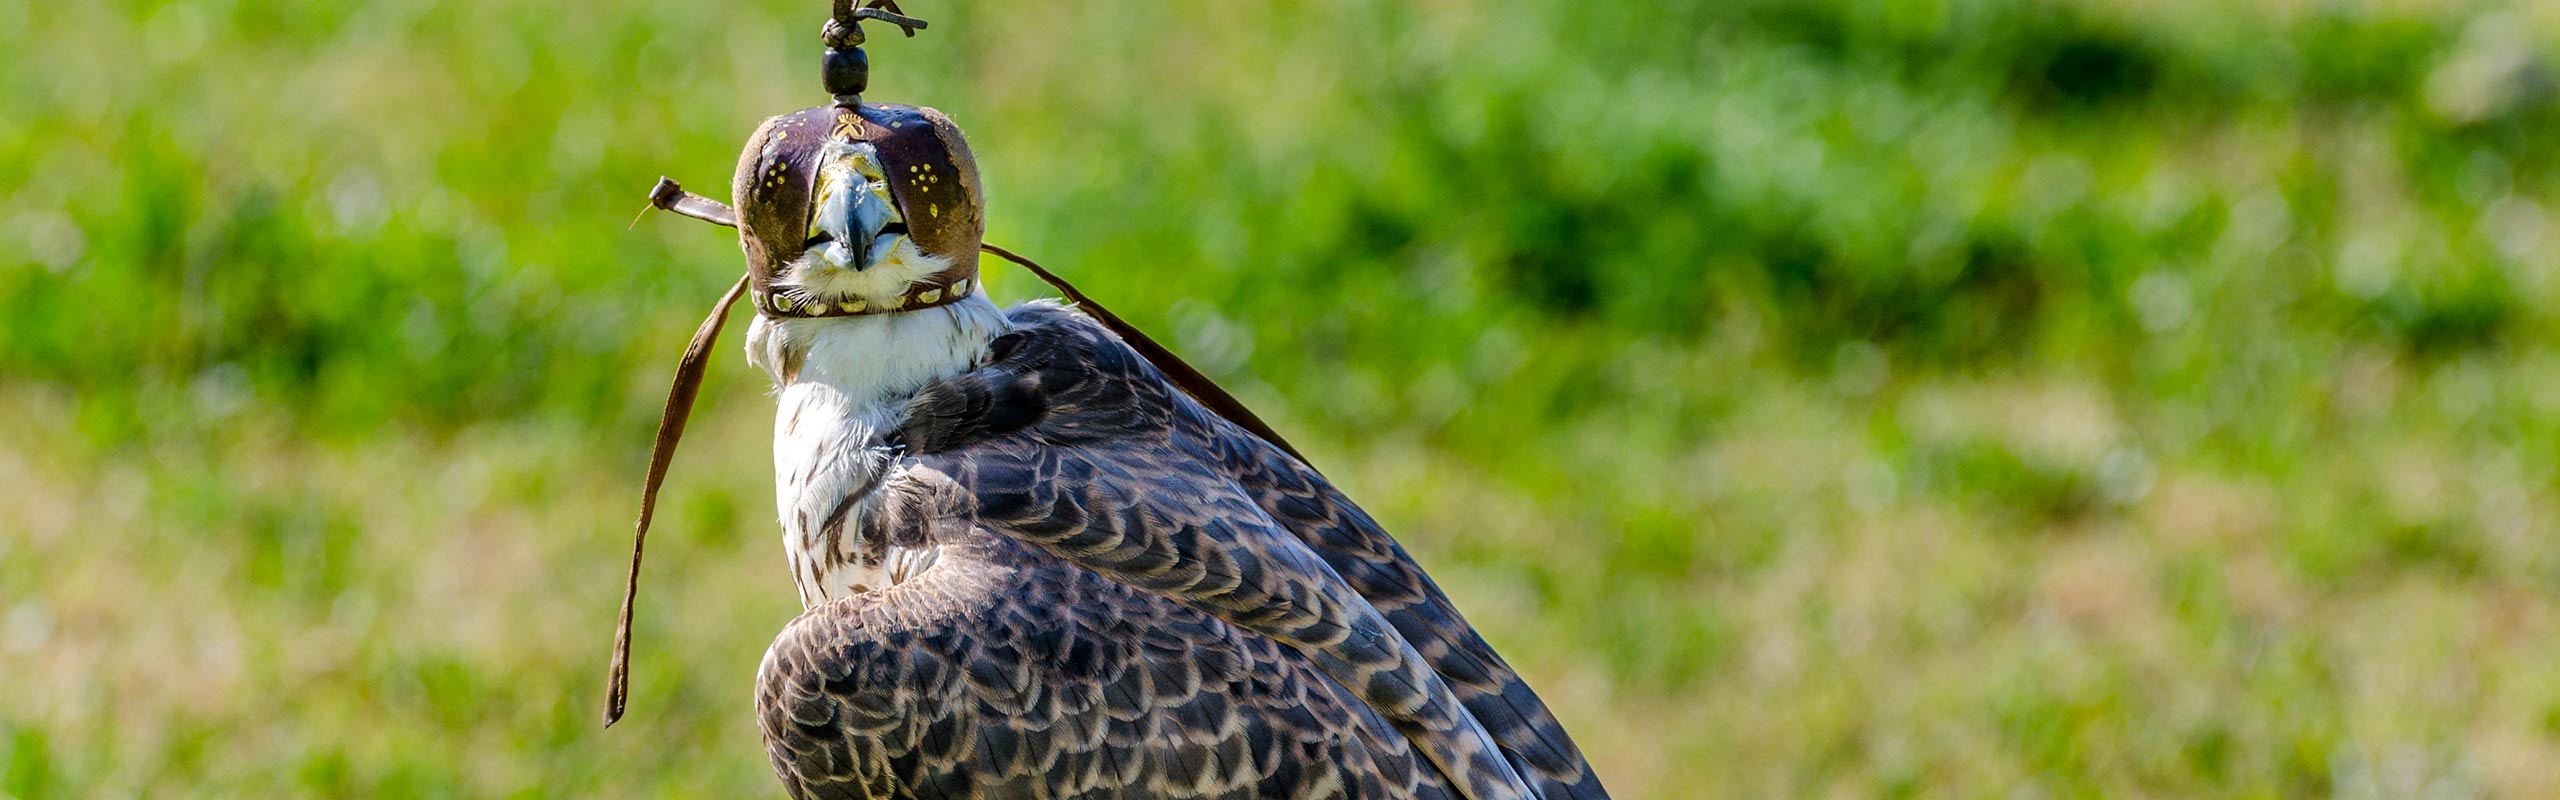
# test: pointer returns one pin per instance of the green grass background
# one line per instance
(1944, 398)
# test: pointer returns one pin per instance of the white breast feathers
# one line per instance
(840, 381)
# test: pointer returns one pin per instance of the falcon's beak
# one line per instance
(853, 223)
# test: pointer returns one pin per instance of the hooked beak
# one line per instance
(853, 224)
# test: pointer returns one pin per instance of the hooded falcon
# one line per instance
(1073, 580)
(1031, 563)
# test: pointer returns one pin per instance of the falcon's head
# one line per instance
(857, 211)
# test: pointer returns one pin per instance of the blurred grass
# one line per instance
(1835, 397)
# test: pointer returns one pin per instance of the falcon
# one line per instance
(1040, 557)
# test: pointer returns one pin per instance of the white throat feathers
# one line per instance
(839, 381)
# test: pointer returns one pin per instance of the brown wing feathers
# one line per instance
(1007, 673)
(1357, 548)
(1099, 395)
(1203, 549)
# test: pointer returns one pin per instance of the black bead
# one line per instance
(847, 71)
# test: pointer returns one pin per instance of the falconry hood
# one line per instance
(850, 209)
(853, 186)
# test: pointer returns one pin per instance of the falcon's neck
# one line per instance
(839, 381)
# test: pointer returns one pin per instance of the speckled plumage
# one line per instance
(1134, 597)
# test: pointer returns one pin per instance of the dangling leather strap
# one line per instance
(1199, 386)
(688, 383)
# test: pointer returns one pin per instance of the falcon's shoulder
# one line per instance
(1052, 362)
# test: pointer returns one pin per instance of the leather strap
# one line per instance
(688, 384)
(671, 196)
